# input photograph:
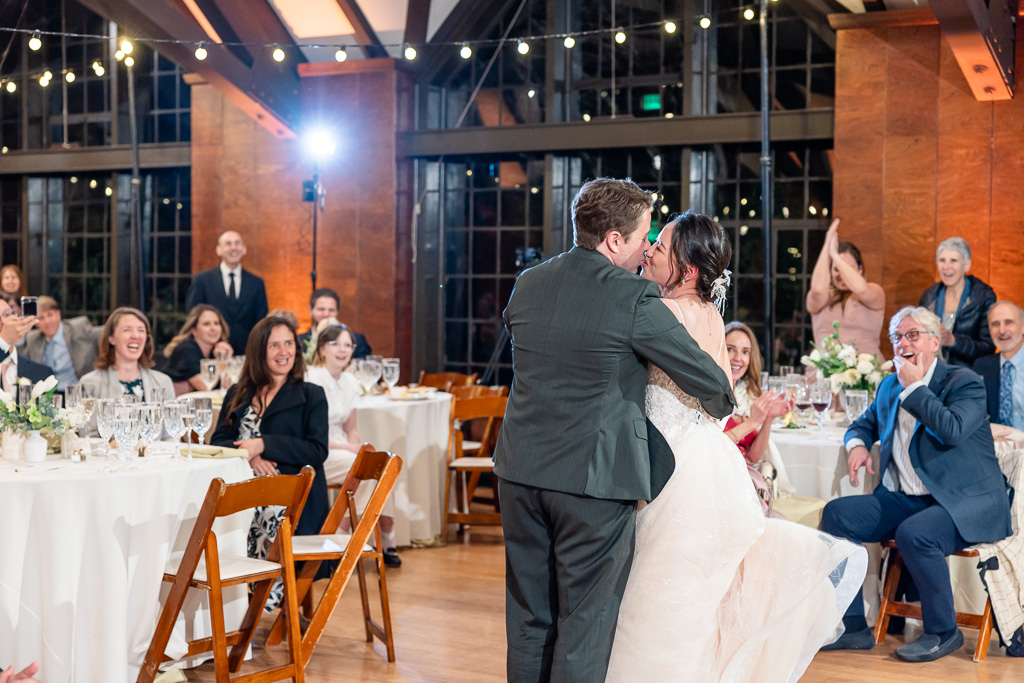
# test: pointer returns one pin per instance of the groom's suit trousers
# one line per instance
(567, 560)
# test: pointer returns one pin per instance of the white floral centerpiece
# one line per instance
(844, 367)
(38, 418)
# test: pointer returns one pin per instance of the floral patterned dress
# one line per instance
(266, 518)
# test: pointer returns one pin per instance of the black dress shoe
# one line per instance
(853, 640)
(930, 647)
(391, 558)
(896, 627)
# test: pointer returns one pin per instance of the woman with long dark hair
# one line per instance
(841, 293)
(281, 420)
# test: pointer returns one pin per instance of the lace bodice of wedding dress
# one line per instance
(717, 592)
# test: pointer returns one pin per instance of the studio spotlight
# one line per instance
(466, 51)
(569, 42)
(35, 42)
(340, 54)
(319, 143)
(410, 52)
(522, 47)
(201, 52)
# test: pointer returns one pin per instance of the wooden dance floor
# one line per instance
(447, 606)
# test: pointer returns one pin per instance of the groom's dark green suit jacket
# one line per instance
(581, 331)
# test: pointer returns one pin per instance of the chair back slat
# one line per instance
(442, 380)
(475, 408)
(284, 490)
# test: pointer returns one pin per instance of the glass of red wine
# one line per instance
(802, 396)
(821, 399)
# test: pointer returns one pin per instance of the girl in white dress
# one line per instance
(332, 355)
(716, 591)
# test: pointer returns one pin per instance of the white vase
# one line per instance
(35, 447)
(11, 442)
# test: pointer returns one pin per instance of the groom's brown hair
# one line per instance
(603, 205)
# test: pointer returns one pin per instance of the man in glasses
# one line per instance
(941, 489)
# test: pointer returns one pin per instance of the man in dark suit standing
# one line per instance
(238, 294)
(941, 489)
(1004, 372)
(12, 365)
(324, 303)
(572, 457)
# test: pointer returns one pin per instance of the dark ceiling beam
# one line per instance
(685, 131)
(367, 37)
(468, 20)
(270, 95)
(253, 22)
(417, 16)
(815, 13)
(981, 35)
(888, 19)
(86, 159)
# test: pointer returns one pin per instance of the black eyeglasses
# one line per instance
(911, 336)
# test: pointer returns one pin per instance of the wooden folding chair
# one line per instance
(350, 549)
(482, 433)
(460, 463)
(444, 380)
(220, 570)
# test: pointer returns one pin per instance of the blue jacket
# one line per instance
(951, 449)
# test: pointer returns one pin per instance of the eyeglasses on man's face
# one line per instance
(909, 335)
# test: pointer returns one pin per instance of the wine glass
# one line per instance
(157, 395)
(126, 433)
(173, 424)
(105, 412)
(785, 370)
(188, 416)
(151, 420)
(73, 395)
(203, 416)
(390, 369)
(821, 399)
(235, 365)
(803, 400)
(208, 373)
(373, 366)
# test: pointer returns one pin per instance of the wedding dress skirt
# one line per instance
(716, 591)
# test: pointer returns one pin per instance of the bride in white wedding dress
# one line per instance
(716, 591)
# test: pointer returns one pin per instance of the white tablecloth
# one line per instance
(82, 557)
(418, 432)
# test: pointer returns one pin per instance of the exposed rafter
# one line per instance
(416, 17)
(469, 19)
(815, 14)
(365, 34)
(268, 94)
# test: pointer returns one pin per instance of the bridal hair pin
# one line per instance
(719, 289)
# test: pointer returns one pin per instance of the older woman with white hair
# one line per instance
(961, 302)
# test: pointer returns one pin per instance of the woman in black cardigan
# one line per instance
(281, 421)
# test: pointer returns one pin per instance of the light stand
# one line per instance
(318, 205)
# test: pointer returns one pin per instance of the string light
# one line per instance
(531, 93)
(670, 27)
(620, 37)
(410, 52)
(70, 77)
(108, 191)
(748, 14)
(44, 81)
(705, 22)
(201, 52)
(465, 51)
(11, 86)
(93, 183)
(586, 117)
(569, 42)
(129, 61)
(126, 46)
(278, 53)
(522, 47)
(35, 42)
(119, 55)
(340, 54)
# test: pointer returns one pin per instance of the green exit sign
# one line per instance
(650, 102)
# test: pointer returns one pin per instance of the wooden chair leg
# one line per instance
(474, 481)
(365, 598)
(252, 617)
(303, 587)
(891, 584)
(447, 504)
(984, 633)
(324, 610)
(307, 602)
(220, 643)
(291, 603)
(385, 609)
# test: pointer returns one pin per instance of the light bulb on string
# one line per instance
(670, 27)
(620, 37)
(11, 86)
(748, 14)
(70, 77)
(119, 55)
(201, 52)
(278, 54)
(35, 42)
(44, 81)
(340, 55)
(569, 42)
(466, 51)
(129, 62)
(522, 47)
(705, 22)
(409, 52)
(108, 191)
(126, 46)
(98, 69)
(47, 75)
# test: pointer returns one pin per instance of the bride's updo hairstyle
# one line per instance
(701, 242)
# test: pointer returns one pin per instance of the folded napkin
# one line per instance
(214, 452)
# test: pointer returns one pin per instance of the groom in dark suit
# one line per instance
(941, 489)
(575, 451)
(238, 294)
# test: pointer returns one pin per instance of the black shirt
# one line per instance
(184, 361)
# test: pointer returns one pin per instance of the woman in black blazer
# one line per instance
(281, 420)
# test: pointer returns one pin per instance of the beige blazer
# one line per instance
(82, 338)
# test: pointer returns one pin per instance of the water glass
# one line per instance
(188, 416)
(856, 403)
(786, 370)
(764, 380)
(105, 412)
(151, 420)
(73, 395)
(793, 383)
(203, 416)
(208, 373)
(390, 369)
(235, 365)
(173, 424)
(157, 395)
(126, 433)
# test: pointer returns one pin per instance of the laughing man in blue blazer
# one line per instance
(941, 487)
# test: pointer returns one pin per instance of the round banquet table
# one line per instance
(83, 557)
(418, 431)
